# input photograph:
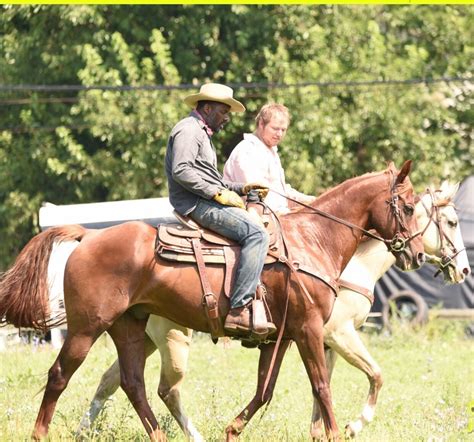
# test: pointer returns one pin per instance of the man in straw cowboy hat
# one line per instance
(198, 190)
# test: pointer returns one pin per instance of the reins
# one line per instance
(329, 216)
(396, 244)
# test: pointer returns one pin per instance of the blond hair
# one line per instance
(269, 110)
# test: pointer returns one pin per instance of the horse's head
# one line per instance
(395, 219)
(442, 238)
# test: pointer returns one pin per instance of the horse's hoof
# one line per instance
(232, 431)
(231, 437)
(317, 436)
(349, 432)
(247, 343)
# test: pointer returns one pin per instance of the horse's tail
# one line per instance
(24, 291)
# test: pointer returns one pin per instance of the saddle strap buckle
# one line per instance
(210, 303)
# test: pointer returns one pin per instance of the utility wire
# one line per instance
(162, 87)
(23, 101)
(249, 86)
(30, 129)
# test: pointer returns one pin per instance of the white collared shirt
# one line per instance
(253, 161)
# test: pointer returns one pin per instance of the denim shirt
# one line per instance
(191, 166)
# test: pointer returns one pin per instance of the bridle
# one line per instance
(446, 259)
(397, 244)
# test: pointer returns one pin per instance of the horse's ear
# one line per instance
(404, 171)
(448, 190)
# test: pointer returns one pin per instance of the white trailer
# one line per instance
(152, 211)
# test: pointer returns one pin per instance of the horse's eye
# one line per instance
(452, 224)
(409, 210)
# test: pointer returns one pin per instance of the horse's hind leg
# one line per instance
(266, 352)
(109, 383)
(128, 334)
(173, 342)
(71, 356)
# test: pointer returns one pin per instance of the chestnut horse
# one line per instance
(113, 281)
(443, 245)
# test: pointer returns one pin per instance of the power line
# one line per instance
(22, 101)
(248, 86)
(30, 129)
(161, 87)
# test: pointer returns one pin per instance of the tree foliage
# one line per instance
(97, 145)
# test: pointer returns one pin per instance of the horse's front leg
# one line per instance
(346, 341)
(266, 352)
(317, 426)
(310, 342)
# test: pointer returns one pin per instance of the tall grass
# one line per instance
(429, 382)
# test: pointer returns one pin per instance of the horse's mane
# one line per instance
(349, 183)
(327, 194)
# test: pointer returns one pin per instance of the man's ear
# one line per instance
(206, 109)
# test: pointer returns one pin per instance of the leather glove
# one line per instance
(228, 197)
(260, 187)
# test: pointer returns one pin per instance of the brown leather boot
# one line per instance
(238, 322)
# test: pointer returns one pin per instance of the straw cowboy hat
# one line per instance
(215, 92)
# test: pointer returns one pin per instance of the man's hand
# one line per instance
(260, 187)
(228, 197)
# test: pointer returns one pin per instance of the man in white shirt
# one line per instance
(256, 157)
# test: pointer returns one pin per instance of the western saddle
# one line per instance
(187, 242)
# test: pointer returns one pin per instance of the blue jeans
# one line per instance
(236, 224)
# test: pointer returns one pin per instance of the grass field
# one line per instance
(429, 383)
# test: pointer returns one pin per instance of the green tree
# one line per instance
(74, 146)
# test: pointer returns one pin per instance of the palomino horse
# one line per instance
(443, 243)
(113, 281)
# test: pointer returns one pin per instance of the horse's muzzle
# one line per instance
(407, 261)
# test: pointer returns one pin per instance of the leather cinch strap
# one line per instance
(359, 289)
(208, 298)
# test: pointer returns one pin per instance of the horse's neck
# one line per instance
(369, 263)
(349, 201)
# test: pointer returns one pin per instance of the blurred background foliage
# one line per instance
(77, 145)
